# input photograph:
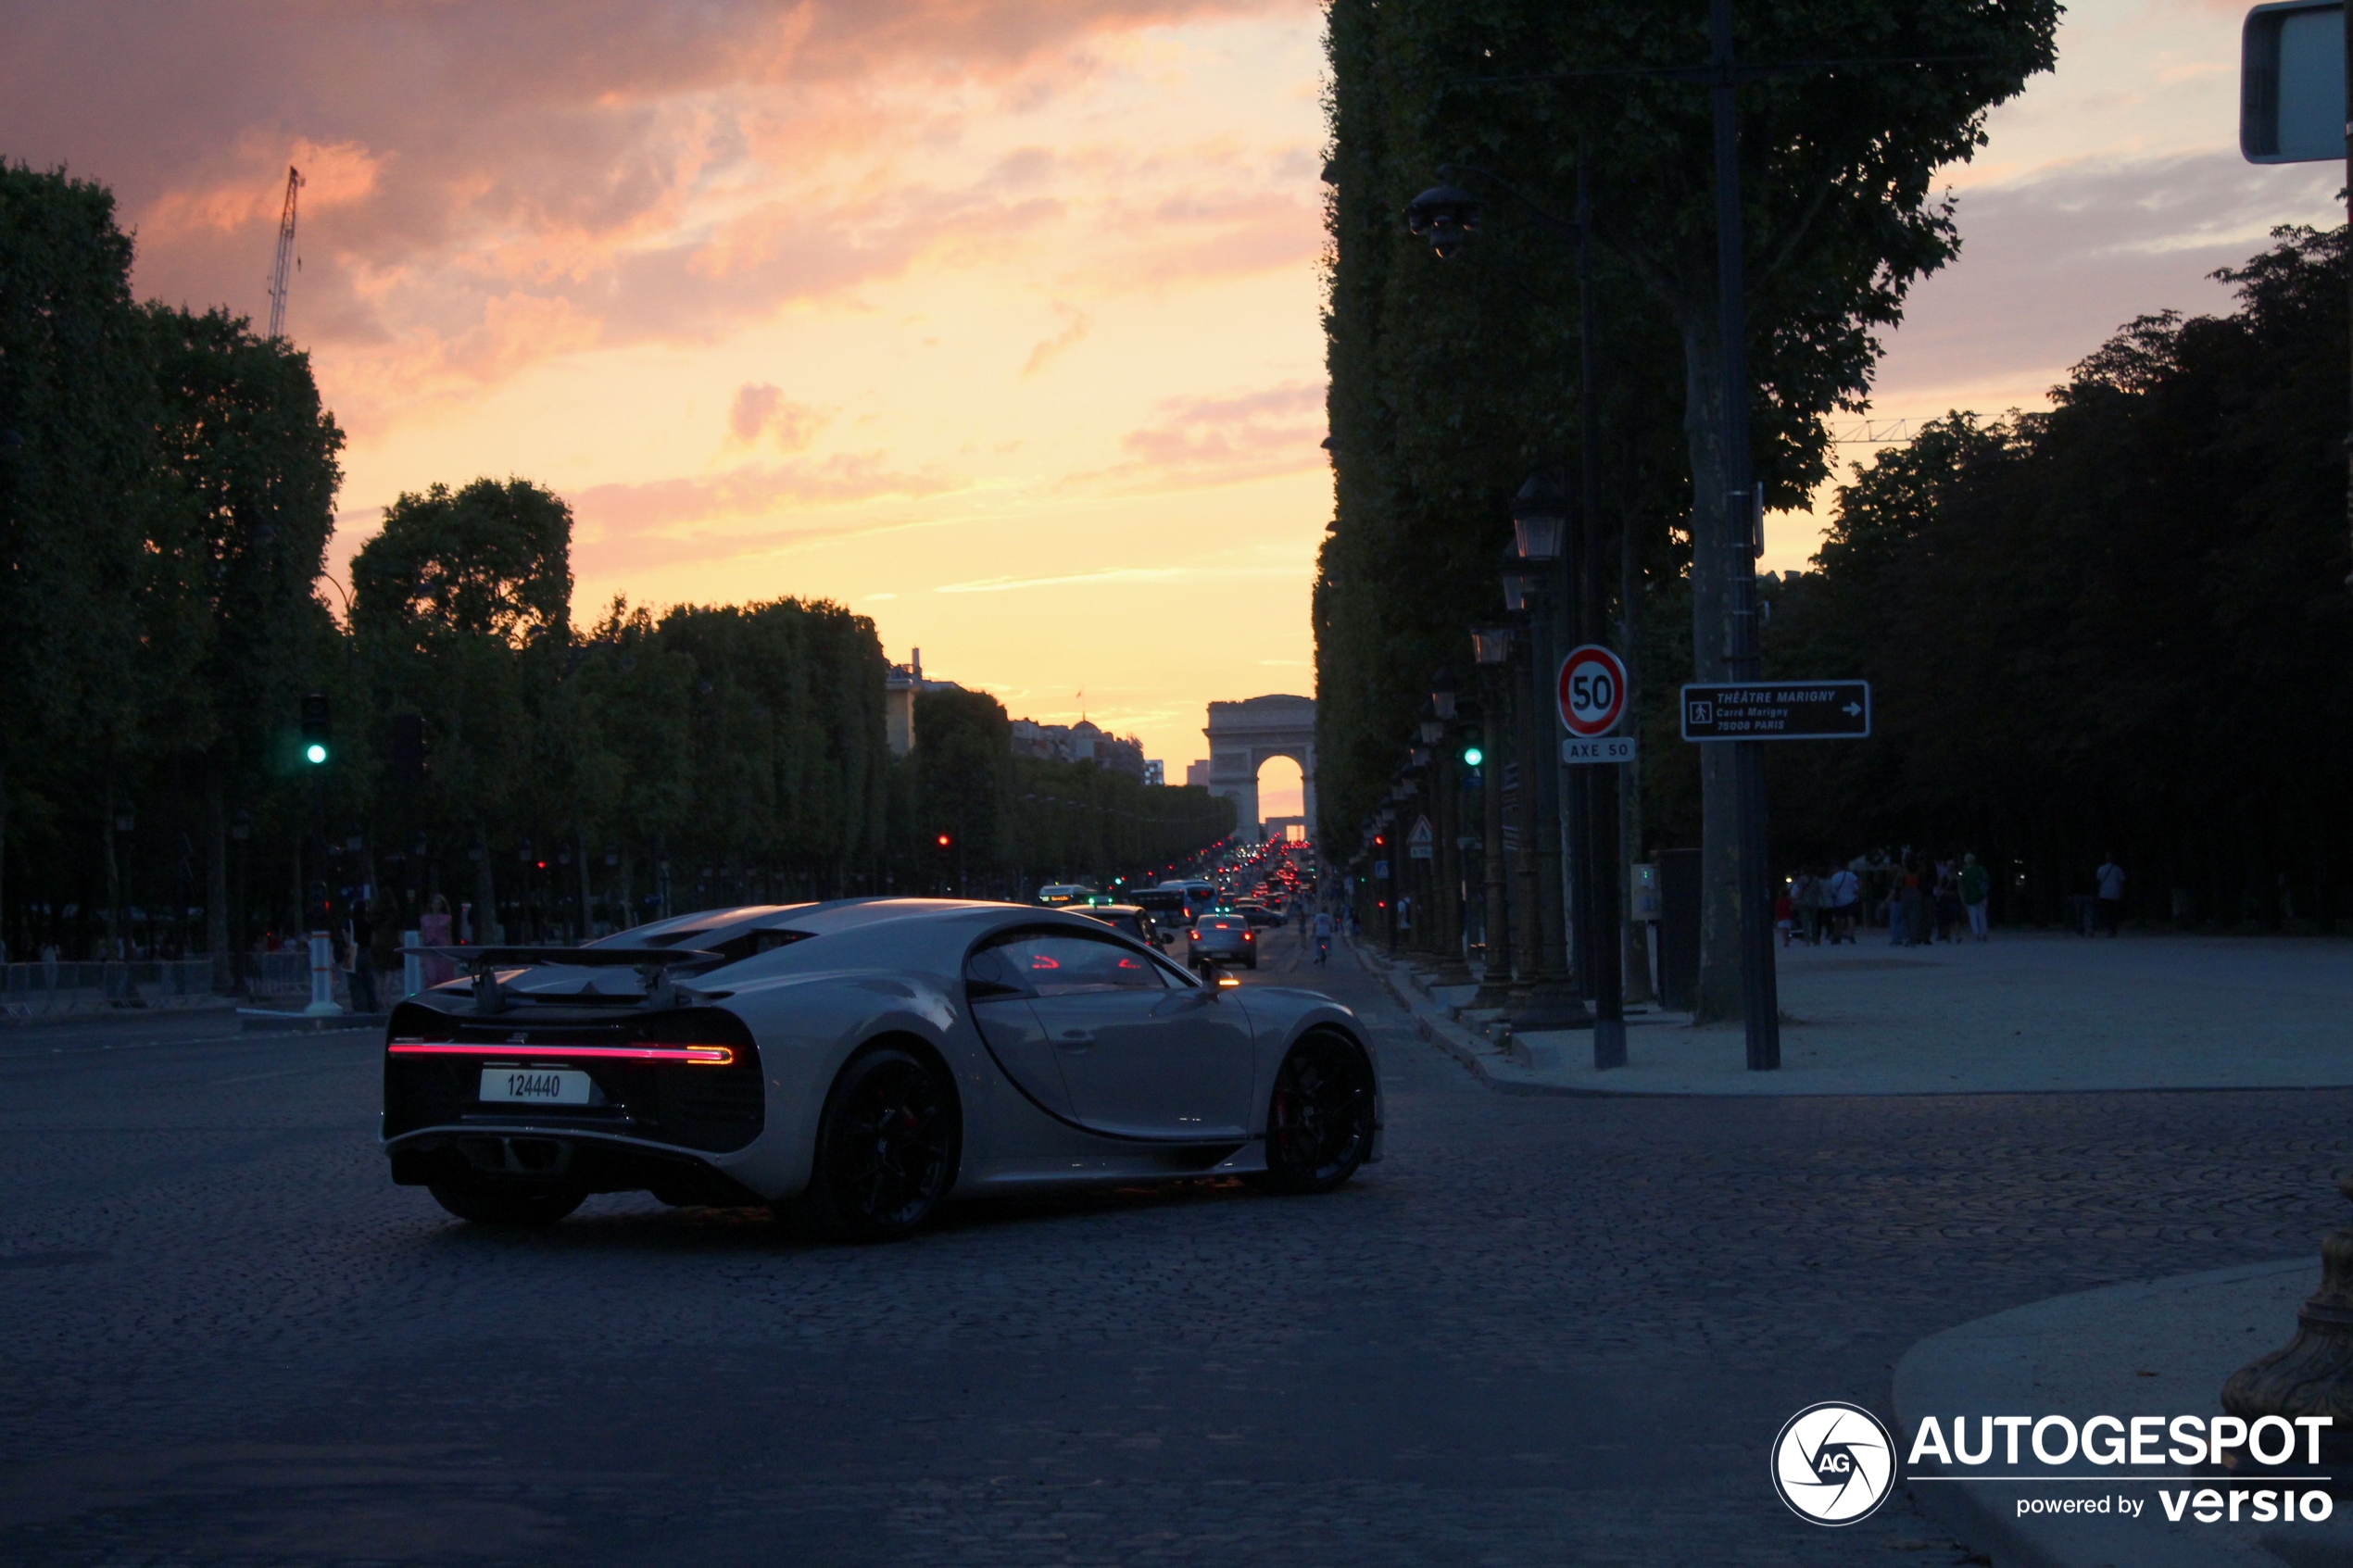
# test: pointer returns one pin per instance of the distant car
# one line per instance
(1221, 938)
(1126, 919)
(1165, 905)
(1054, 894)
(1257, 912)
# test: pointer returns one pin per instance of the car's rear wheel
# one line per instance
(1319, 1120)
(888, 1145)
(508, 1206)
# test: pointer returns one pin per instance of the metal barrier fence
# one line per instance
(275, 976)
(38, 990)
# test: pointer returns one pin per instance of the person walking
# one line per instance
(1784, 915)
(1323, 937)
(1808, 893)
(1843, 894)
(1911, 923)
(2108, 909)
(1948, 901)
(1975, 884)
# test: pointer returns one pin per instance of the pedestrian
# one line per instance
(1975, 884)
(2108, 910)
(1322, 936)
(383, 947)
(1911, 907)
(1784, 915)
(1845, 896)
(433, 932)
(1948, 901)
(1808, 894)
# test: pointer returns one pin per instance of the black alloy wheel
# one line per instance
(508, 1206)
(1319, 1122)
(888, 1146)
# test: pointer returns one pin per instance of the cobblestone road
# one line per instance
(1544, 1331)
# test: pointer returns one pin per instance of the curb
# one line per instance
(1991, 1362)
(263, 1021)
(1447, 1039)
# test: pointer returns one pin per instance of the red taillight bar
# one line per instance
(694, 1056)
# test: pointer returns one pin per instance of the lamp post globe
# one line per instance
(1539, 518)
(1445, 216)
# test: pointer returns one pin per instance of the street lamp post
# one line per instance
(1492, 647)
(1446, 216)
(1539, 513)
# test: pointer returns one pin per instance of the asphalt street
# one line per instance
(1545, 1330)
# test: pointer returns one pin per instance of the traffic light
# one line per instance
(944, 841)
(1473, 757)
(317, 727)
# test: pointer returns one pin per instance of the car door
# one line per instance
(1145, 1053)
(997, 989)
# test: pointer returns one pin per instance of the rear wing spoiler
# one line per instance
(652, 965)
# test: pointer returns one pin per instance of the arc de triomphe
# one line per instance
(1242, 736)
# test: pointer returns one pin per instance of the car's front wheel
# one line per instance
(508, 1206)
(1319, 1120)
(888, 1146)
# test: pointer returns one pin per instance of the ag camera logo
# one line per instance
(1833, 1464)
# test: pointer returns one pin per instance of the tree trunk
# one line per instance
(114, 874)
(487, 931)
(580, 859)
(216, 868)
(1634, 937)
(29, 945)
(1713, 524)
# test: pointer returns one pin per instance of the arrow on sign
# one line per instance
(1852, 708)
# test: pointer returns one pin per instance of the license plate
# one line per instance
(535, 1085)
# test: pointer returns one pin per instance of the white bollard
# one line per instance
(412, 964)
(323, 978)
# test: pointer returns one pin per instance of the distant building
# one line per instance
(1197, 773)
(1082, 742)
(1283, 830)
(900, 684)
(1153, 772)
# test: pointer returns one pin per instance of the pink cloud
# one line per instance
(461, 155)
(1198, 441)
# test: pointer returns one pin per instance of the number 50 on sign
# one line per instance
(1591, 691)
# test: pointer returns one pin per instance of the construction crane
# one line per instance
(285, 257)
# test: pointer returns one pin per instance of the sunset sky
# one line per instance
(995, 322)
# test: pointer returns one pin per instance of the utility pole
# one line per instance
(285, 257)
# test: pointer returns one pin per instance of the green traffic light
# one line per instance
(315, 752)
(1473, 757)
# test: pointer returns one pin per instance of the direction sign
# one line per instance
(1591, 690)
(1778, 710)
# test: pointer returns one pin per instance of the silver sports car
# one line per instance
(860, 1061)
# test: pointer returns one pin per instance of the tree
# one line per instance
(462, 609)
(2117, 625)
(248, 457)
(75, 492)
(1837, 173)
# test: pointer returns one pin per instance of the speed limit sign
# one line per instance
(1591, 691)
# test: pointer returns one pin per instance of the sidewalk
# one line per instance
(2162, 1346)
(2026, 1012)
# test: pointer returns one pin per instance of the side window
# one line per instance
(991, 973)
(1057, 965)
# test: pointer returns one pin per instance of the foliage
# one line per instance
(2121, 625)
(1443, 377)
